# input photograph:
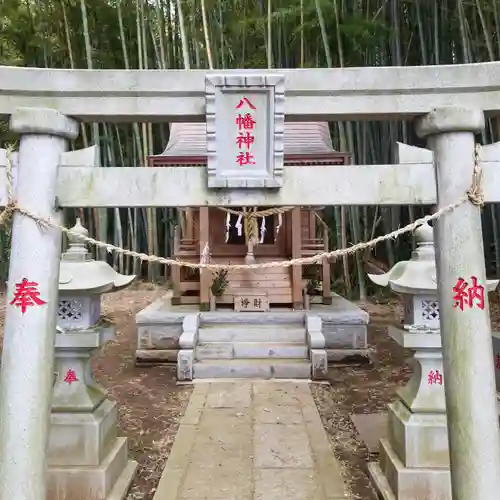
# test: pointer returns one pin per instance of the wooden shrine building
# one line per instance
(221, 233)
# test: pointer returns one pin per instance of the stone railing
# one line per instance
(316, 344)
(187, 344)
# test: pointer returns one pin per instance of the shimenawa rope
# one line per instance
(474, 195)
(256, 213)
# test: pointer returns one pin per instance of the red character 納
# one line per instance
(435, 378)
(465, 294)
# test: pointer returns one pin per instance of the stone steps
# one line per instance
(252, 368)
(282, 317)
(252, 333)
(250, 350)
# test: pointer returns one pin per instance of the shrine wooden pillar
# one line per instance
(326, 277)
(326, 269)
(312, 224)
(297, 299)
(205, 274)
(176, 270)
(189, 234)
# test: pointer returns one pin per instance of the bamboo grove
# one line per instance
(218, 34)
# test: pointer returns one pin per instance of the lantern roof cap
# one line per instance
(418, 275)
(424, 234)
(79, 272)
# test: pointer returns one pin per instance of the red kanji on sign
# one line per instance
(70, 377)
(243, 101)
(245, 140)
(497, 362)
(26, 295)
(245, 158)
(435, 378)
(245, 121)
(465, 294)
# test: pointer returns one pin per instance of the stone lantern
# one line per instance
(415, 282)
(414, 459)
(86, 458)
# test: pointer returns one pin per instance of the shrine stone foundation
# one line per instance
(343, 326)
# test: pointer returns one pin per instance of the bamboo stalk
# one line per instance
(100, 214)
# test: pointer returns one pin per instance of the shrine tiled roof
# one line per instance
(304, 142)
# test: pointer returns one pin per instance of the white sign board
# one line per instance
(251, 303)
(245, 131)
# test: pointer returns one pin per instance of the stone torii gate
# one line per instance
(43, 105)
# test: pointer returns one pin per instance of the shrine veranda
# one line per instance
(448, 103)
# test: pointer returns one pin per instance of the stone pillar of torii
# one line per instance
(27, 372)
(466, 338)
(27, 359)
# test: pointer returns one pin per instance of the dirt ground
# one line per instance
(151, 405)
(366, 388)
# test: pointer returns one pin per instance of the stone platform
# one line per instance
(257, 440)
(160, 325)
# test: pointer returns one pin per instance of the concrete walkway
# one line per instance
(258, 440)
